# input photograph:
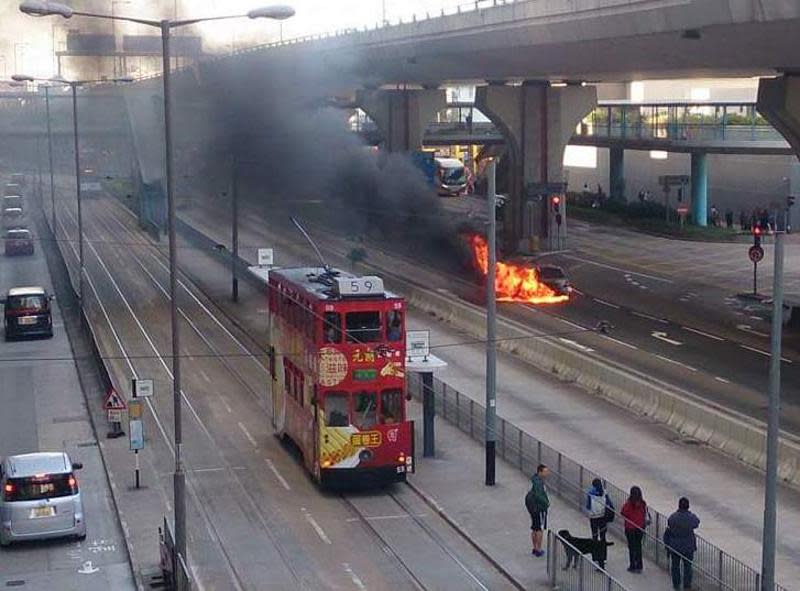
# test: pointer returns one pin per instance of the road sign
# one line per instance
(683, 209)
(418, 344)
(134, 409)
(114, 415)
(265, 257)
(756, 254)
(142, 388)
(673, 180)
(113, 401)
(136, 431)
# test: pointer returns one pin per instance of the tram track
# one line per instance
(427, 532)
(202, 501)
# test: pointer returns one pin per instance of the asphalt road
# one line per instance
(661, 329)
(256, 521)
(42, 408)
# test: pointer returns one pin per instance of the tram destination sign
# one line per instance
(359, 286)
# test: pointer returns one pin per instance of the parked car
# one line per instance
(40, 498)
(555, 278)
(27, 313)
(18, 241)
(13, 217)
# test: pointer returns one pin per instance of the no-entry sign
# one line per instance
(756, 254)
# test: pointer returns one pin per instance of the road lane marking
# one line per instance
(702, 334)
(746, 328)
(648, 317)
(613, 268)
(576, 345)
(623, 343)
(662, 336)
(204, 375)
(317, 528)
(277, 474)
(723, 380)
(764, 353)
(578, 291)
(667, 359)
(572, 324)
(605, 303)
(247, 434)
(354, 577)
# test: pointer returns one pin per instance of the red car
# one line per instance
(18, 241)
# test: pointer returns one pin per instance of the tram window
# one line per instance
(332, 328)
(363, 327)
(365, 410)
(394, 325)
(336, 410)
(391, 406)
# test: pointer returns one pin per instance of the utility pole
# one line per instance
(50, 156)
(773, 424)
(491, 327)
(235, 226)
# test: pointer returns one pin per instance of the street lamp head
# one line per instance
(39, 8)
(21, 78)
(278, 12)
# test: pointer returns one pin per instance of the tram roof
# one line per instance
(313, 281)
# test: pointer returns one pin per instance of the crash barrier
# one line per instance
(694, 418)
(579, 574)
(715, 570)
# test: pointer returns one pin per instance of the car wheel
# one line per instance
(50, 334)
(81, 537)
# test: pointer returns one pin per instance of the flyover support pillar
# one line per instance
(779, 103)
(537, 121)
(616, 181)
(402, 115)
(700, 188)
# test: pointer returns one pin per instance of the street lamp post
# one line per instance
(278, 12)
(50, 157)
(73, 84)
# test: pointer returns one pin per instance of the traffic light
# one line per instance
(789, 200)
(555, 201)
(757, 235)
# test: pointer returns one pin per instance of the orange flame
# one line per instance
(514, 283)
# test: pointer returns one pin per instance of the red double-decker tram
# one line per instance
(338, 371)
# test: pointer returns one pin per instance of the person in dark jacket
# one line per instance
(597, 508)
(680, 539)
(637, 518)
(537, 503)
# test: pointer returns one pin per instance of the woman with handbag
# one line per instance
(637, 518)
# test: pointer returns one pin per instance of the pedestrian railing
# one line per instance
(578, 574)
(714, 569)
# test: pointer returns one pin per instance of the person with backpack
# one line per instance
(680, 540)
(600, 511)
(537, 503)
(637, 518)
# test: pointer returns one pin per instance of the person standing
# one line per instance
(598, 507)
(637, 518)
(537, 503)
(680, 539)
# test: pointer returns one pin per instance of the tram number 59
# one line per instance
(368, 285)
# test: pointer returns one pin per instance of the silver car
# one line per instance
(40, 498)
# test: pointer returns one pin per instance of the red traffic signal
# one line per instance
(757, 235)
(555, 201)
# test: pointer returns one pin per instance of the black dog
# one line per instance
(574, 546)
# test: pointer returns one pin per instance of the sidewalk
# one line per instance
(495, 517)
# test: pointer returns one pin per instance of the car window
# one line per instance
(34, 488)
(551, 273)
(32, 302)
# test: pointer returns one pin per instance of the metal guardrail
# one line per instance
(580, 575)
(714, 569)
